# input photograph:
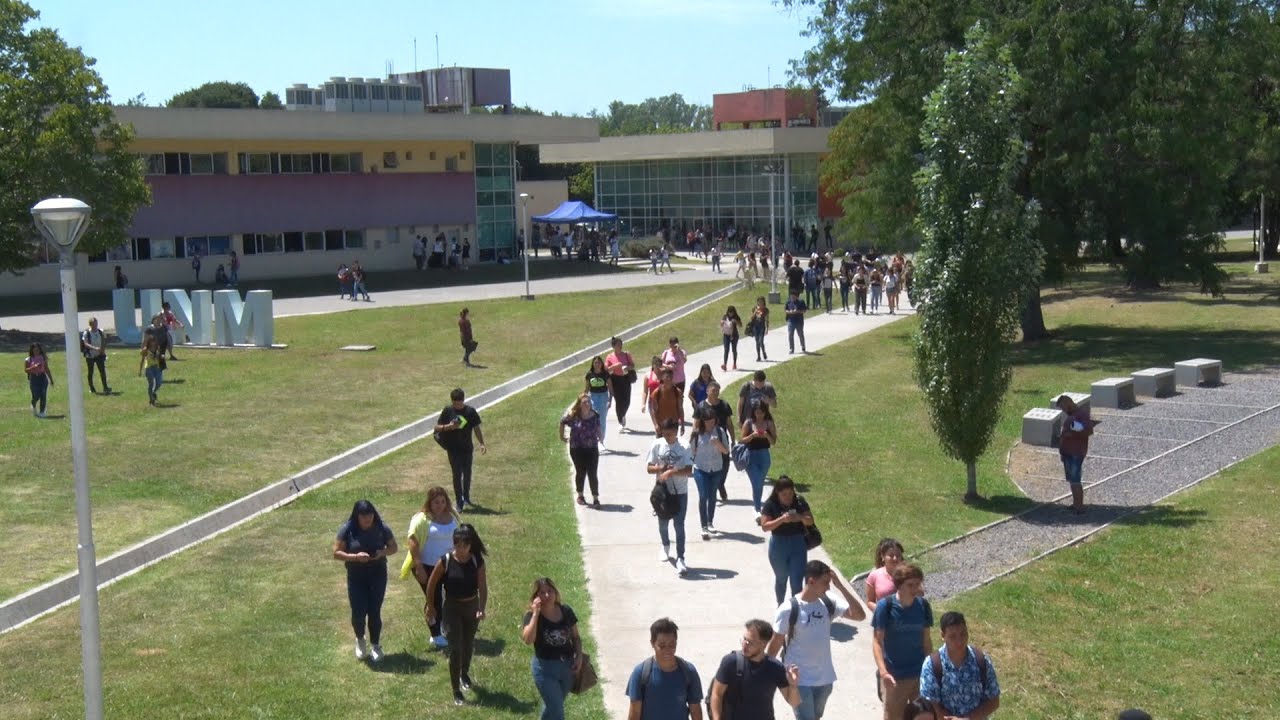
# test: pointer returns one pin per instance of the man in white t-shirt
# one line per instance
(802, 627)
(671, 464)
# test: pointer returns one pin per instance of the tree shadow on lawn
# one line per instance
(1089, 347)
(1004, 505)
(1240, 291)
(502, 700)
(18, 341)
(402, 663)
(1096, 514)
(489, 648)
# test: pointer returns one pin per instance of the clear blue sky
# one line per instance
(566, 55)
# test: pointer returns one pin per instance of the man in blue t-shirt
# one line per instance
(664, 687)
(795, 310)
(901, 623)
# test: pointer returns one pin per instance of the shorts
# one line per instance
(1073, 466)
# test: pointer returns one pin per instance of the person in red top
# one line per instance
(665, 403)
(469, 343)
(172, 326)
(38, 377)
(621, 368)
(1074, 445)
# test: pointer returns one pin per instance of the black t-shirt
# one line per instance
(598, 382)
(377, 537)
(759, 681)
(459, 439)
(774, 509)
(724, 413)
(554, 640)
(461, 579)
(795, 278)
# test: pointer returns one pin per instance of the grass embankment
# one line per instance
(234, 421)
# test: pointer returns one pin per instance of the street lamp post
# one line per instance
(528, 238)
(62, 221)
(774, 298)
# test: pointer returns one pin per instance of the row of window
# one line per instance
(185, 163)
(299, 163)
(141, 248)
(312, 240)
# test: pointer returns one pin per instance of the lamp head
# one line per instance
(62, 221)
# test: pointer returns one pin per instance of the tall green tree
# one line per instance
(667, 114)
(980, 256)
(270, 101)
(58, 137)
(216, 95)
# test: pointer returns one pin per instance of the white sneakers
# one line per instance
(706, 533)
(375, 653)
(361, 649)
(681, 568)
(664, 555)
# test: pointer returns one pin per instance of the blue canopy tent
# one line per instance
(574, 211)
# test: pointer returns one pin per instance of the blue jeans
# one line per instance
(758, 462)
(708, 483)
(875, 298)
(553, 678)
(792, 330)
(155, 378)
(679, 521)
(39, 390)
(787, 555)
(759, 338)
(813, 701)
(1073, 466)
(600, 403)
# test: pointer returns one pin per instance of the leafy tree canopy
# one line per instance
(270, 101)
(217, 95)
(654, 116)
(58, 136)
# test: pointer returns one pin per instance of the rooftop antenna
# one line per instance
(438, 50)
(768, 75)
(415, 56)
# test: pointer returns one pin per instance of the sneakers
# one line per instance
(664, 555)
(375, 653)
(622, 422)
(440, 642)
(458, 699)
(706, 533)
(466, 681)
(735, 366)
(681, 568)
(711, 528)
(361, 649)
(722, 367)
(757, 518)
(595, 503)
(40, 414)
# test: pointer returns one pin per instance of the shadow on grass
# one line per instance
(1139, 347)
(1165, 515)
(481, 510)
(402, 663)
(502, 701)
(490, 648)
(1002, 504)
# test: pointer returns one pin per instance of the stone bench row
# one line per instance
(1043, 426)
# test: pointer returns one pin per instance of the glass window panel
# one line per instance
(333, 240)
(484, 154)
(355, 239)
(260, 163)
(302, 163)
(314, 240)
(340, 163)
(502, 155)
(503, 181)
(201, 164)
(219, 244)
(293, 242)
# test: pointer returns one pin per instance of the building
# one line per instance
(297, 193)
(719, 179)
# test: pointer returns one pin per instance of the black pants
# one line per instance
(100, 363)
(860, 301)
(621, 395)
(435, 602)
(366, 587)
(826, 298)
(460, 465)
(730, 344)
(460, 627)
(586, 462)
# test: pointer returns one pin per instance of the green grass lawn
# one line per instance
(1172, 617)
(233, 421)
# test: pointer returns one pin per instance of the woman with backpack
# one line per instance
(759, 434)
(785, 516)
(710, 446)
(363, 543)
(730, 324)
(584, 445)
(551, 627)
(466, 593)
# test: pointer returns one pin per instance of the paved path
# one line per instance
(729, 580)
(317, 305)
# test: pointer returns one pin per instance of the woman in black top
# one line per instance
(552, 629)
(784, 516)
(363, 544)
(466, 592)
(601, 391)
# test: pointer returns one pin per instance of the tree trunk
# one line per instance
(971, 486)
(1033, 319)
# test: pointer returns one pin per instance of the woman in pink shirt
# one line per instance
(674, 357)
(38, 377)
(621, 368)
(880, 582)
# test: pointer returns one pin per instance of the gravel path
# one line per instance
(1214, 428)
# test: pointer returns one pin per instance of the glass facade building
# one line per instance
(713, 193)
(495, 200)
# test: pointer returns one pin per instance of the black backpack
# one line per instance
(729, 708)
(665, 503)
(646, 673)
(795, 615)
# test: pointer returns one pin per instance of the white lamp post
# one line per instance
(62, 221)
(524, 223)
(774, 298)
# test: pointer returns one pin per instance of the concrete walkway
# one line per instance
(729, 579)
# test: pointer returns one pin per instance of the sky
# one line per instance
(570, 56)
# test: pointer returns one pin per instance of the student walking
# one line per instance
(457, 422)
(901, 623)
(664, 686)
(152, 361)
(39, 379)
(584, 445)
(671, 465)
(698, 388)
(795, 310)
(674, 357)
(724, 420)
(961, 678)
(665, 404)
(430, 537)
(860, 291)
(172, 328)
(466, 594)
(234, 264)
(759, 433)
(600, 391)
(363, 543)
(622, 374)
(551, 627)
(828, 287)
(877, 281)
(747, 678)
(709, 445)
(758, 326)
(93, 343)
(357, 282)
(730, 325)
(880, 582)
(469, 343)
(786, 516)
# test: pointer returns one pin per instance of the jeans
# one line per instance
(99, 362)
(787, 556)
(460, 627)
(860, 301)
(760, 351)
(679, 521)
(39, 390)
(730, 346)
(715, 263)
(366, 587)
(758, 462)
(844, 297)
(586, 464)
(875, 298)
(813, 701)
(1073, 467)
(708, 482)
(792, 330)
(460, 466)
(553, 678)
(725, 463)
(359, 288)
(155, 378)
(811, 296)
(600, 403)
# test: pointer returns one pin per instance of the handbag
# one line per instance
(740, 453)
(812, 536)
(631, 376)
(585, 678)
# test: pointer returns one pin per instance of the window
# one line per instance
(296, 163)
(261, 243)
(389, 160)
(395, 92)
(141, 248)
(205, 164)
(333, 240)
(413, 92)
(206, 246)
(314, 240)
(254, 163)
(153, 163)
(340, 163)
(355, 239)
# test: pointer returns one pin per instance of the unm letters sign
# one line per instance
(217, 317)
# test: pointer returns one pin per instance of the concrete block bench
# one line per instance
(1114, 392)
(1041, 426)
(1082, 400)
(1200, 371)
(1154, 382)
